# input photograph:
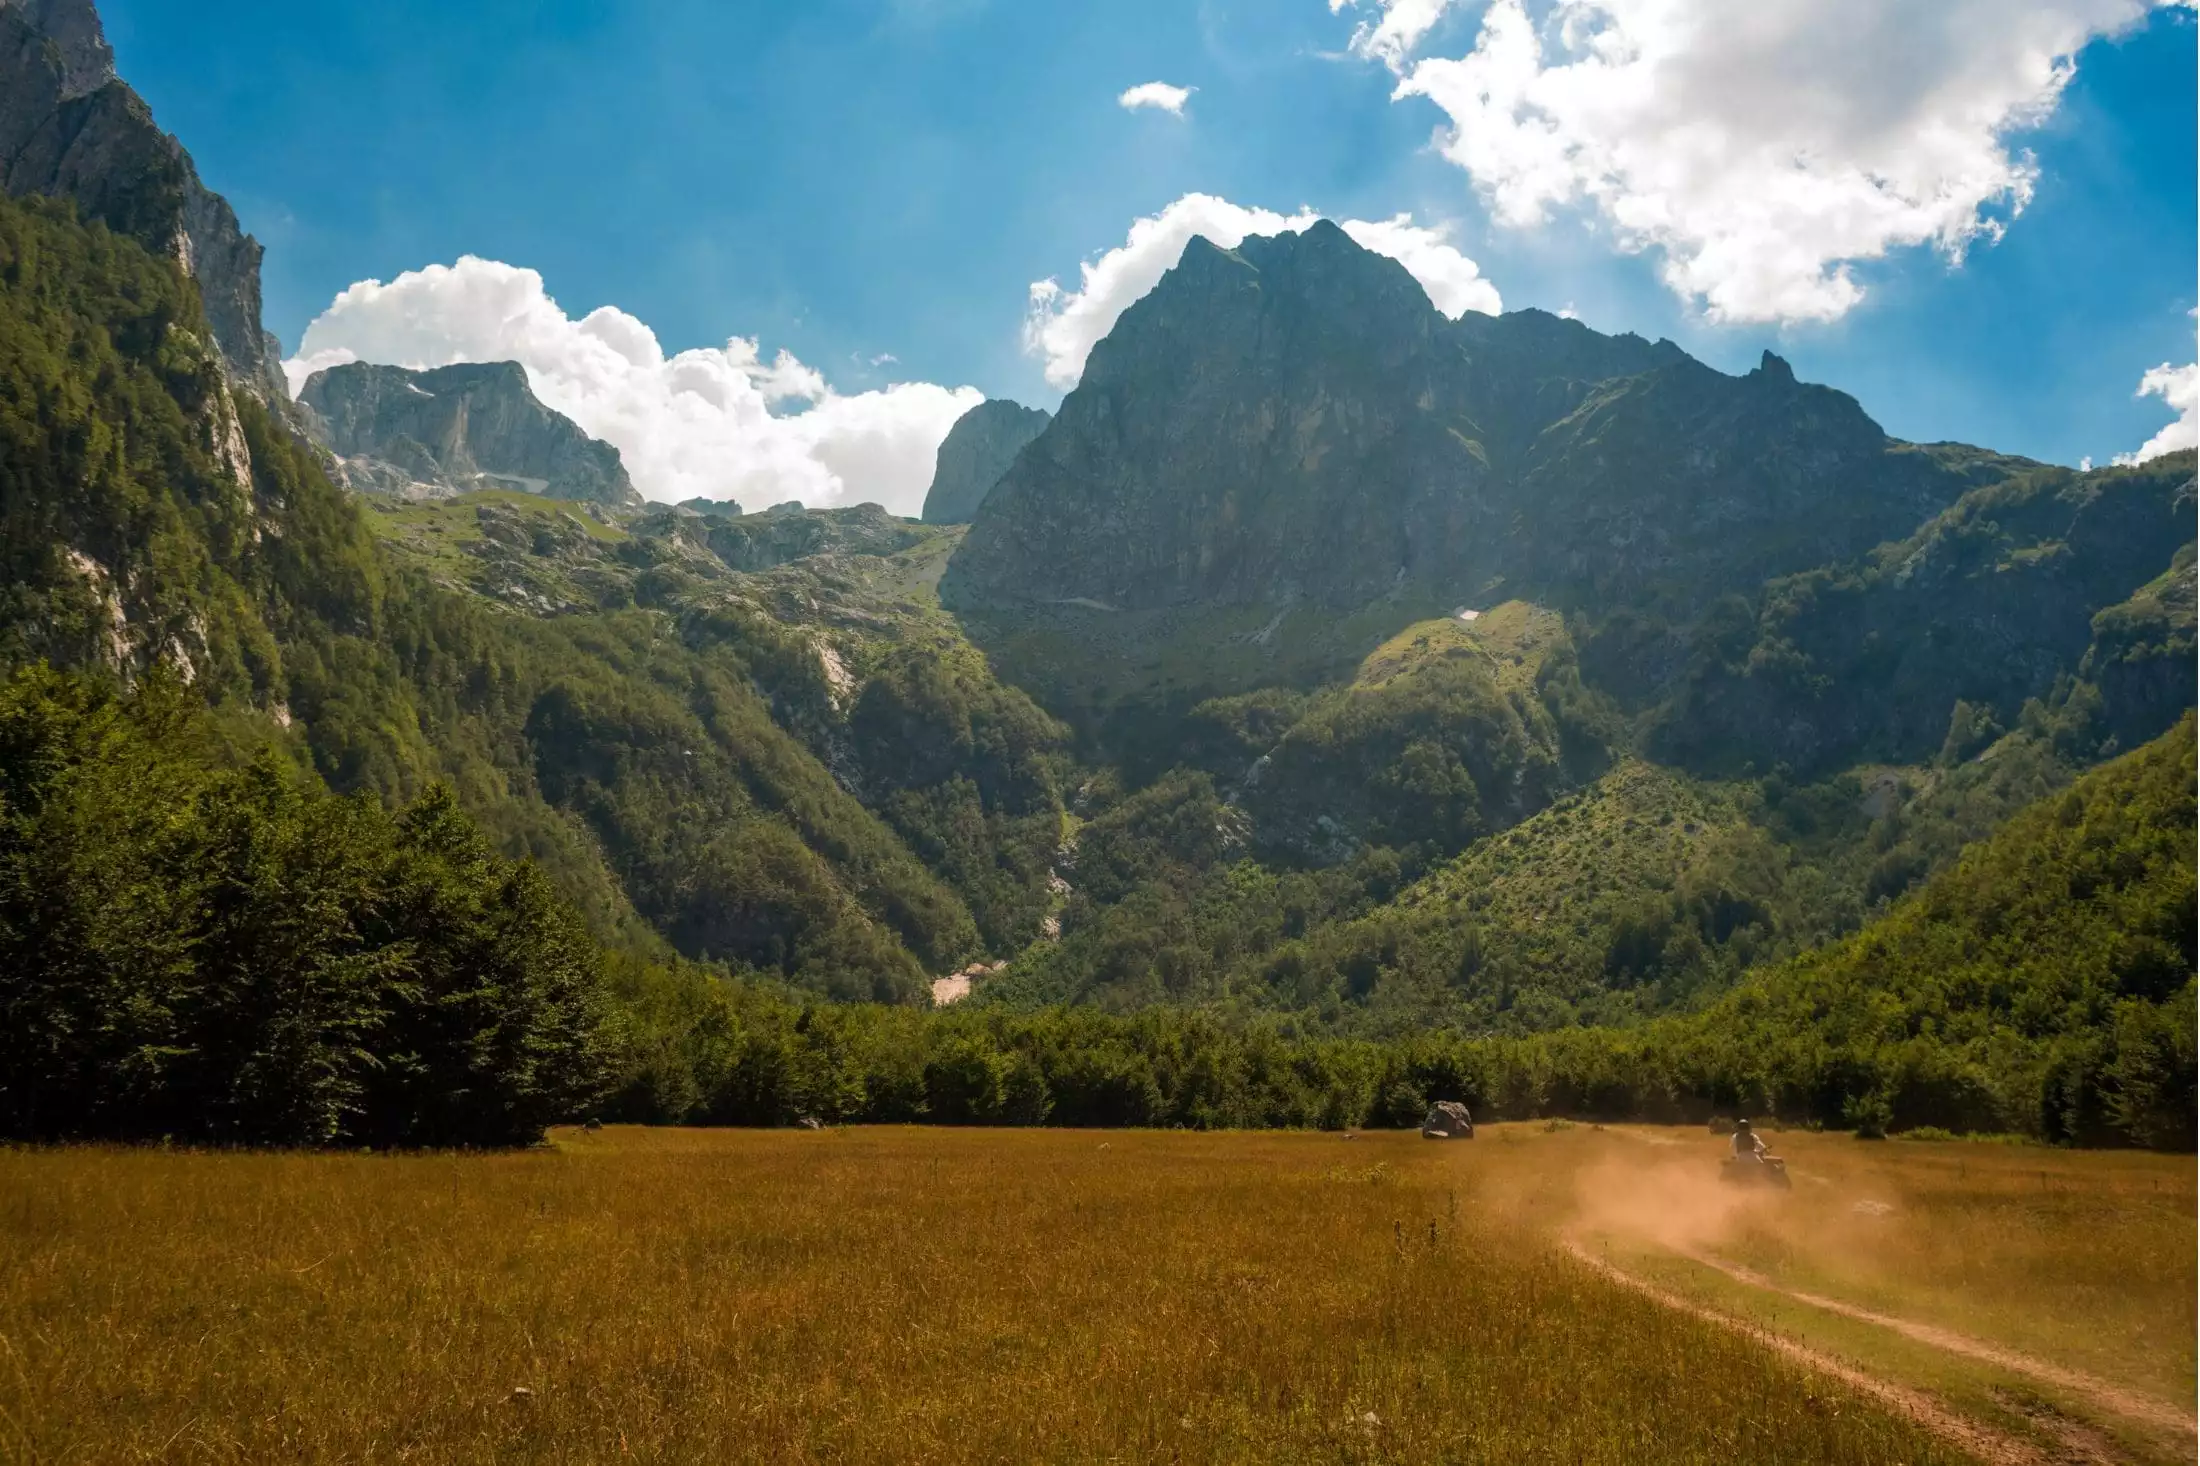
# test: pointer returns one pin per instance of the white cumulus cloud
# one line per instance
(720, 422)
(1761, 147)
(1393, 36)
(1063, 324)
(2179, 387)
(1158, 95)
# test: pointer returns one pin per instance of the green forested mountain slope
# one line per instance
(152, 517)
(1992, 602)
(799, 764)
(2042, 986)
(2045, 977)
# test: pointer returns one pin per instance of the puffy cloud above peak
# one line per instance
(1157, 95)
(1063, 324)
(1761, 149)
(701, 422)
(1454, 283)
(2179, 387)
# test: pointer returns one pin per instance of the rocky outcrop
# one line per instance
(1293, 422)
(69, 128)
(710, 508)
(1448, 1120)
(788, 532)
(975, 453)
(455, 429)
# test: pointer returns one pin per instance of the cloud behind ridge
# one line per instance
(717, 422)
(1063, 324)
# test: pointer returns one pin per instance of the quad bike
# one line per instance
(1765, 1171)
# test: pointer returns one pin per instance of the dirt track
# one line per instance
(1662, 1201)
(1988, 1445)
(2110, 1397)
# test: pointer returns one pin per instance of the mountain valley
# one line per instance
(1323, 669)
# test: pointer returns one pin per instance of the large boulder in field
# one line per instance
(1448, 1120)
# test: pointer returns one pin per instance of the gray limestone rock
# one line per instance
(1292, 422)
(788, 532)
(69, 128)
(455, 429)
(710, 508)
(975, 453)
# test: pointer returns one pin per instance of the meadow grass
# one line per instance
(864, 1295)
(2083, 1258)
(2083, 1261)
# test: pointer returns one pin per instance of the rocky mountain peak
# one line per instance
(69, 129)
(1267, 301)
(86, 61)
(1293, 421)
(456, 428)
(975, 453)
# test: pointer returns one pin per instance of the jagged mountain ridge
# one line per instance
(1293, 420)
(975, 453)
(450, 429)
(69, 128)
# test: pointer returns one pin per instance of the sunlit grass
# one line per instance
(2082, 1258)
(882, 1295)
(2077, 1263)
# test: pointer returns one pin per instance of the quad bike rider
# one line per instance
(1751, 1164)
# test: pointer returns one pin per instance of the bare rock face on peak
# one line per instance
(435, 433)
(69, 128)
(704, 508)
(975, 453)
(1292, 422)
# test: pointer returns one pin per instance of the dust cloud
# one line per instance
(1671, 1200)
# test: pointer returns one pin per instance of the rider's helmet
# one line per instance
(1742, 1125)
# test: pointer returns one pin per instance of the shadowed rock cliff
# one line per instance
(977, 450)
(69, 128)
(1292, 421)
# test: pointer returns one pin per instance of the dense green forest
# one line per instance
(2042, 985)
(233, 954)
(327, 820)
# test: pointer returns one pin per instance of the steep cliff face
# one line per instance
(69, 128)
(1679, 484)
(1292, 421)
(441, 432)
(977, 450)
(1269, 423)
(1995, 601)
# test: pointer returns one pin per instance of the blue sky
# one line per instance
(850, 179)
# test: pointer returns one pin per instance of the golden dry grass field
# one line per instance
(962, 1295)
